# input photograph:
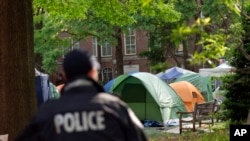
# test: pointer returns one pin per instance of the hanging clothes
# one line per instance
(44, 88)
(39, 91)
(54, 91)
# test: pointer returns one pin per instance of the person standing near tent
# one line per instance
(84, 111)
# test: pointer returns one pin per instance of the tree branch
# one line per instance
(242, 50)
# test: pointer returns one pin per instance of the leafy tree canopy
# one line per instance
(83, 18)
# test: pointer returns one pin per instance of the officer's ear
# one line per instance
(93, 73)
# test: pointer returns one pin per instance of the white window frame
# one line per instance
(132, 44)
(179, 50)
(107, 74)
(75, 44)
(95, 46)
(106, 48)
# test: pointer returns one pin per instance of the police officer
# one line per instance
(84, 111)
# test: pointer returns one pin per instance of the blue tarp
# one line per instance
(173, 73)
(108, 85)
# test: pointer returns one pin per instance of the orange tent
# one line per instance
(188, 93)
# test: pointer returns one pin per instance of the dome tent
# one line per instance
(188, 93)
(148, 96)
(202, 83)
(108, 85)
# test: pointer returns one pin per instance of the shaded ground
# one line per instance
(175, 129)
(205, 133)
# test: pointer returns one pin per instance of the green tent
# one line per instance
(148, 96)
(202, 83)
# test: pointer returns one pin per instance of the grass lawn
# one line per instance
(220, 132)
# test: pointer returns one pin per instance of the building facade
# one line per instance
(132, 43)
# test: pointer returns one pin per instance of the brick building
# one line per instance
(133, 43)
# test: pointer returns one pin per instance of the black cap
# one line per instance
(79, 62)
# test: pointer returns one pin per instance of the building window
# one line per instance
(106, 49)
(106, 74)
(130, 45)
(94, 47)
(179, 50)
(75, 44)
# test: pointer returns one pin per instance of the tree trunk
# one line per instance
(119, 52)
(185, 54)
(17, 85)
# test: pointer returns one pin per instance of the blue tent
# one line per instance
(173, 73)
(108, 85)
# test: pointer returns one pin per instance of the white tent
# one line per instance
(217, 71)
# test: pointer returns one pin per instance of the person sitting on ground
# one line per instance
(83, 111)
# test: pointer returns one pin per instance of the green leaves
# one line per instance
(181, 33)
(202, 22)
(161, 11)
(82, 18)
(65, 9)
(213, 48)
(173, 22)
(213, 44)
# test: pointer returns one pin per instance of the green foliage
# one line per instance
(166, 19)
(117, 13)
(213, 49)
(160, 67)
(181, 33)
(188, 9)
(63, 9)
(237, 102)
(78, 19)
(213, 44)
(156, 54)
(160, 11)
(151, 55)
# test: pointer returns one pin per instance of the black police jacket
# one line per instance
(84, 113)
